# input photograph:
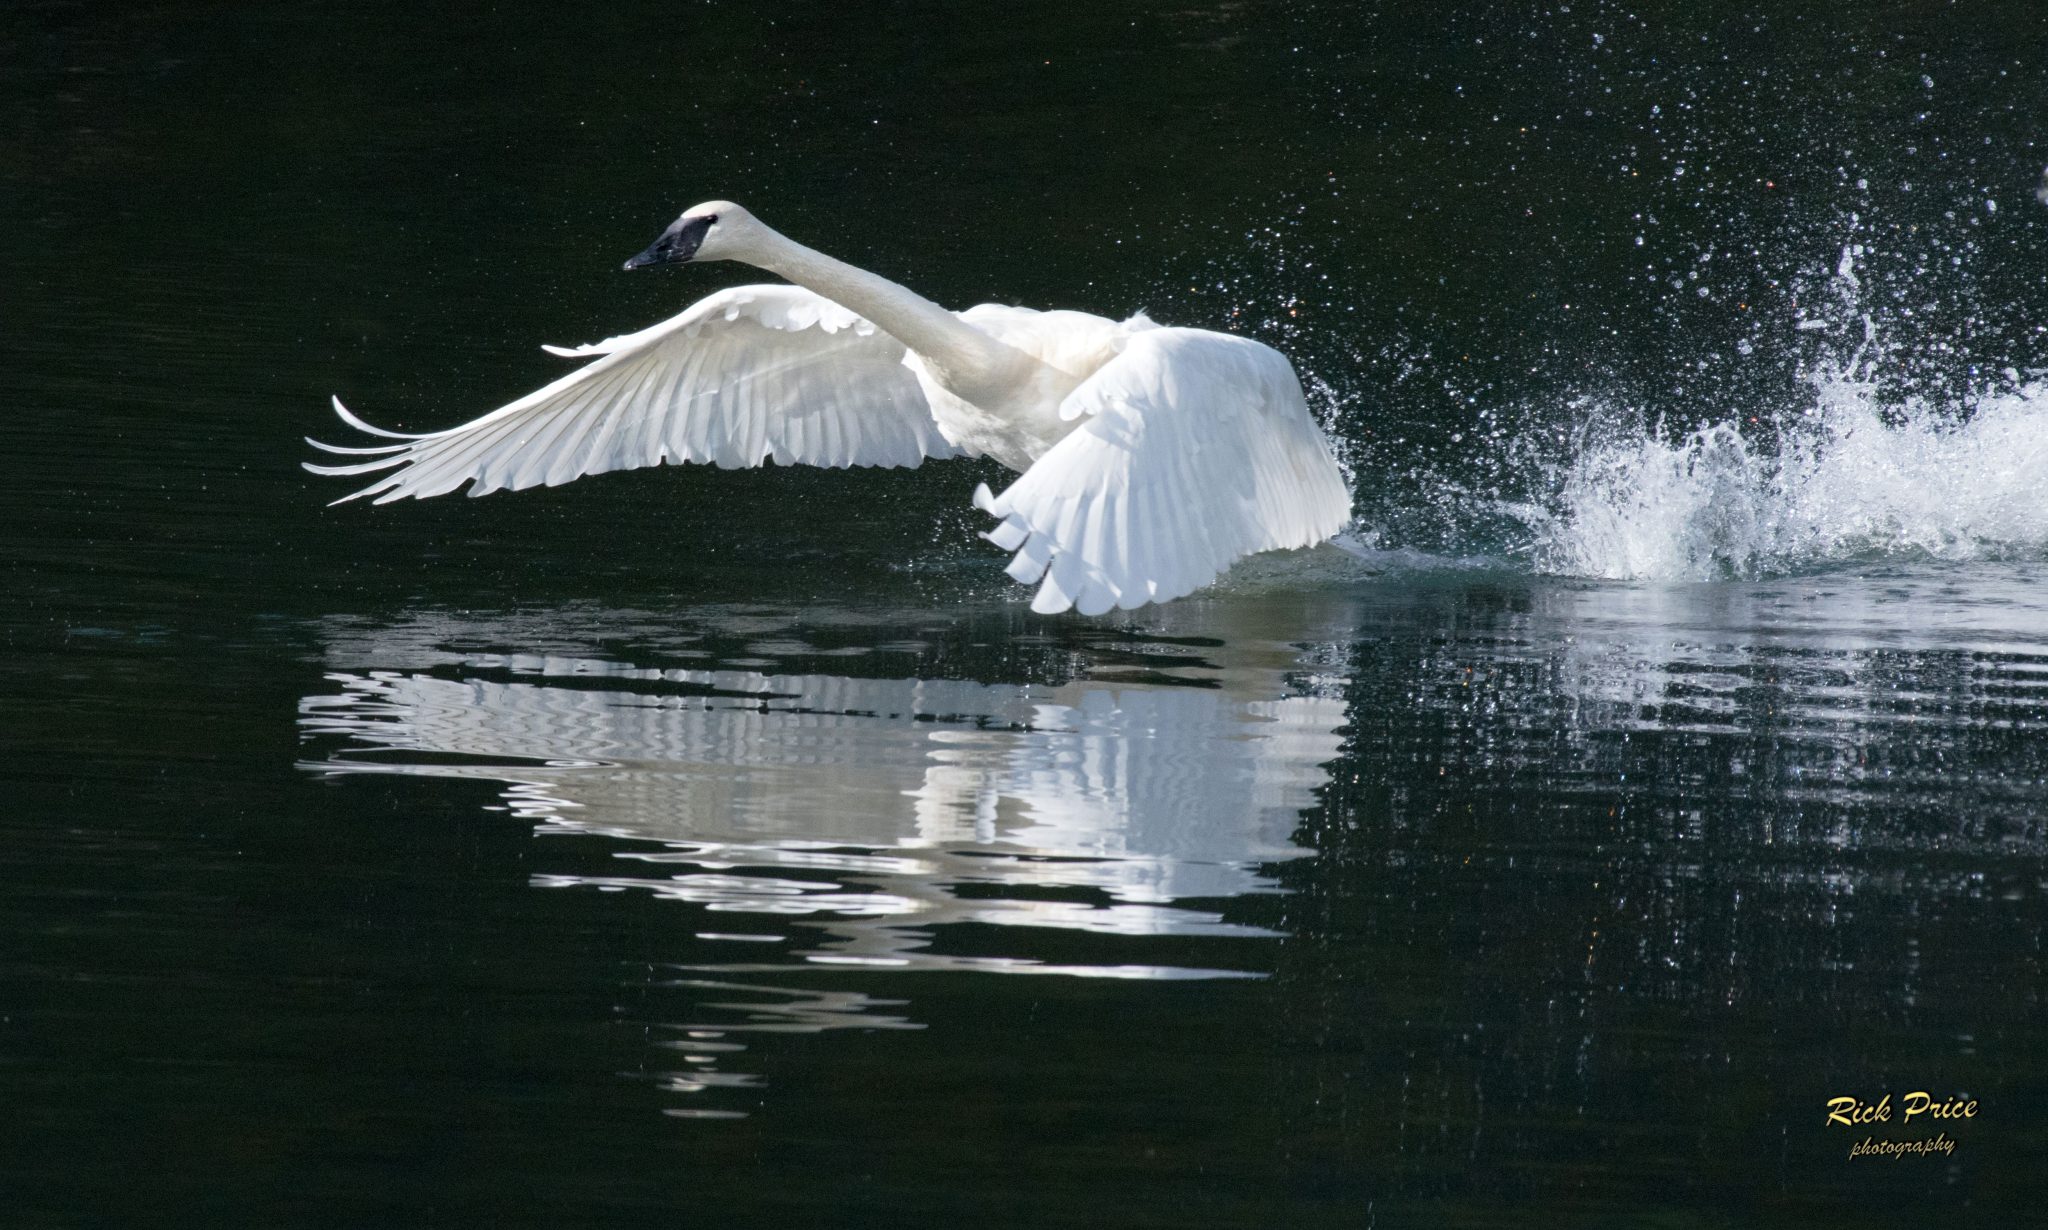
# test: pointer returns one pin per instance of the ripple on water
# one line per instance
(1806, 736)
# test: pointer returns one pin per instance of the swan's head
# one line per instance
(713, 231)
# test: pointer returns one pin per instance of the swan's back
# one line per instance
(1075, 343)
(1017, 422)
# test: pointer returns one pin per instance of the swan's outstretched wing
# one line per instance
(1198, 450)
(746, 374)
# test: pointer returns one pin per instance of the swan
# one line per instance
(1150, 458)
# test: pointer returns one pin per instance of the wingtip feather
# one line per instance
(361, 467)
(356, 452)
(349, 417)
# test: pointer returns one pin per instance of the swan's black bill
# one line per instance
(677, 244)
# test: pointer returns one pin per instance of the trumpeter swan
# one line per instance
(1151, 458)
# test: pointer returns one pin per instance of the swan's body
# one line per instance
(1151, 458)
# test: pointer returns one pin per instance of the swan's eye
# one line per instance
(712, 220)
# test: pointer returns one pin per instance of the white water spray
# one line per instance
(1849, 479)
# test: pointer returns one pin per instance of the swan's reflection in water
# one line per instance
(831, 822)
(1148, 794)
(1688, 793)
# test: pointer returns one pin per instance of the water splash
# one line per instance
(1860, 472)
(1850, 480)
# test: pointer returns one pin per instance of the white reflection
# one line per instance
(839, 822)
(1840, 659)
(874, 809)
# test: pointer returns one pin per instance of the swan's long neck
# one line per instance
(960, 355)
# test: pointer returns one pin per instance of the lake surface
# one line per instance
(691, 846)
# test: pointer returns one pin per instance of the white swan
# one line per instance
(1151, 458)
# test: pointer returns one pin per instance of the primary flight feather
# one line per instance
(1151, 458)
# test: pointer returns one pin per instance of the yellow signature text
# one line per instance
(1855, 1112)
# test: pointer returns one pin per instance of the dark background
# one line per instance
(231, 992)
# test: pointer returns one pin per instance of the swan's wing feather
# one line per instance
(1197, 450)
(744, 375)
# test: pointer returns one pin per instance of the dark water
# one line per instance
(699, 847)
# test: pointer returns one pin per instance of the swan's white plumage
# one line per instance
(1196, 449)
(745, 374)
(1151, 458)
